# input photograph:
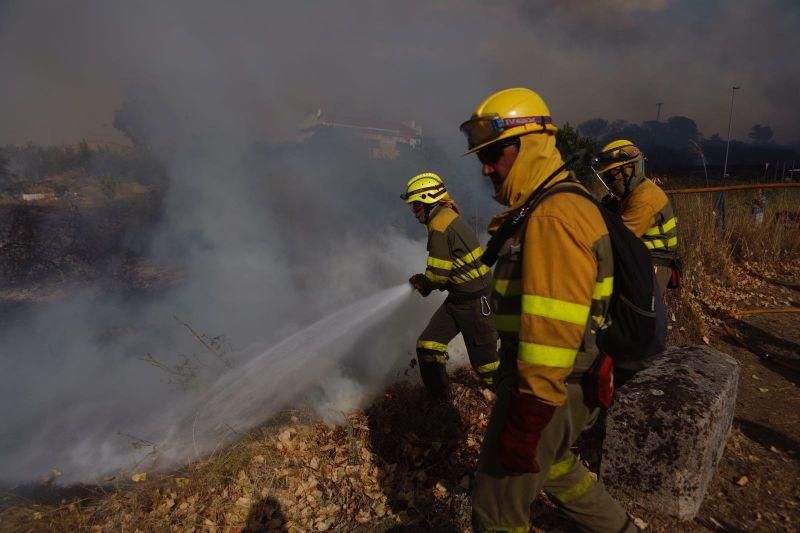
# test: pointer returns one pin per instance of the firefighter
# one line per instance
(454, 266)
(553, 282)
(643, 206)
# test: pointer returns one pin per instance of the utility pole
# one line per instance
(730, 121)
(658, 113)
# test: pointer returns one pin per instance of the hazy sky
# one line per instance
(66, 65)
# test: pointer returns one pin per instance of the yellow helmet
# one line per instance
(617, 154)
(505, 114)
(427, 188)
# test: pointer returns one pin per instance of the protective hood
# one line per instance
(538, 158)
(449, 202)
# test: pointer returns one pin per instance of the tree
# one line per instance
(594, 128)
(760, 134)
(570, 142)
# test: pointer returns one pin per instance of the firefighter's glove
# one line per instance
(527, 418)
(418, 282)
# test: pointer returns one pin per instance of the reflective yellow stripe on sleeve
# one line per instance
(488, 367)
(436, 278)
(555, 309)
(439, 263)
(475, 273)
(432, 345)
(469, 257)
(604, 288)
(540, 354)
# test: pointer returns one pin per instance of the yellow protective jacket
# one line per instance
(454, 255)
(648, 213)
(553, 281)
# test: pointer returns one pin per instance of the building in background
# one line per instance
(383, 140)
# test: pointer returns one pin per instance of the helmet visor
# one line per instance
(615, 157)
(482, 130)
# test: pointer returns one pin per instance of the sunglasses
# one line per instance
(489, 155)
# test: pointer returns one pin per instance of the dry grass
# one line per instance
(729, 268)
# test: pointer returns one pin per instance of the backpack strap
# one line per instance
(566, 186)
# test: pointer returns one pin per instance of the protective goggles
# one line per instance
(482, 130)
(615, 156)
(491, 153)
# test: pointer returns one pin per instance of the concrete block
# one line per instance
(667, 430)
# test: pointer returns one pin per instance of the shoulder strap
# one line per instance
(563, 187)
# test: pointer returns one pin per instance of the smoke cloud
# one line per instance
(271, 240)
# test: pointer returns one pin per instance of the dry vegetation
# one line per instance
(729, 269)
(405, 462)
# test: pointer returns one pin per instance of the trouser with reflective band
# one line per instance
(472, 318)
(502, 501)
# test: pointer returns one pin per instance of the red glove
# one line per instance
(527, 418)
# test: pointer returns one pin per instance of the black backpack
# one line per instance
(636, 326)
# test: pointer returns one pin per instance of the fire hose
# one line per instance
(733, 188)
(765, 311)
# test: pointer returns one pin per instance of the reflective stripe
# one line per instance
(475, 273)
(603, 289)
(662, 229)
(577, 490)
(440, 263)
(488, 367)
(657, 244)
(432, 358)
(507, 323)
(432, 345)
(469, 257)
(508, 287)
(488, 381)
(599, 319)
(436, 278)
(540, 354)
(560, 468)
(555, 309)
